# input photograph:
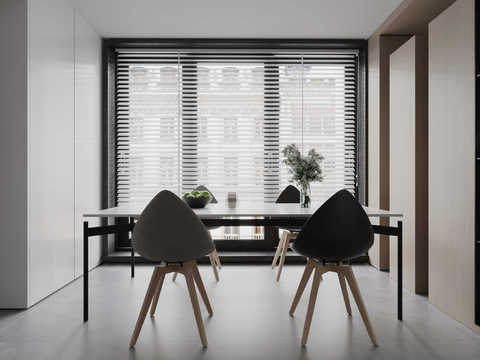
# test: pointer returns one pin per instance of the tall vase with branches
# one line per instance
(303, 170)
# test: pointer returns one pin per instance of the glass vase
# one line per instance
(305, 197)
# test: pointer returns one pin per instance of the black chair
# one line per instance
(214, 258)
(338, 231)
(289, 195)
(168, 231)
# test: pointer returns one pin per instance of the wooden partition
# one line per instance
(409, 159)
(452, 162)
(379, 50)
(411, 17)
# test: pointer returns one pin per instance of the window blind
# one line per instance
(221, 119)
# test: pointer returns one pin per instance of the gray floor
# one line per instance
(250, 321)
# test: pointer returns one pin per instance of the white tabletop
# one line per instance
(251, 209)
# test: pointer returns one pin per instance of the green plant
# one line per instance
(197, 194)
(303, 169)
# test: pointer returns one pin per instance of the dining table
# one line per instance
(245, 214)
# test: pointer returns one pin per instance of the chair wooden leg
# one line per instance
(217, 259)
(215, 253)
(157, 273)
(214, 267)
(306, 276)
(196, 307)
(279, 249)
(201, 287)
(284, 254)
(174, 276)
(157, 296)
(311, 305)
(343, 285)
(348, 272)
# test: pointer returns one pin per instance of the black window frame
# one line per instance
(109, 153)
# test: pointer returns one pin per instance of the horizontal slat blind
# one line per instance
(222, 118)
(221, 114)
(329, 89)
(147, 126)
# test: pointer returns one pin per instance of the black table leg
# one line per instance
(132, 260)
(85, 271)
(400, 270)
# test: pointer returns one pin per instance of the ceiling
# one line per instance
(250, 19)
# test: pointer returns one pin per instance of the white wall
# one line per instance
(88, 142)
(13, 150)
(51, 146)
(50, 112)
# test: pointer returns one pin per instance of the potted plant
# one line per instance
(303, 170)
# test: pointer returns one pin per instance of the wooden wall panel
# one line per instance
(408, 159)
(379, 50)
(415, 16)
(373, 144)
(410, 17)
(451, 162)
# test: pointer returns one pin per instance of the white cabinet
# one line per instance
(51, 146)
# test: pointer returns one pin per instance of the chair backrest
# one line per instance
(289, 195)
(204, 188)
(168, 230)
(339, 230)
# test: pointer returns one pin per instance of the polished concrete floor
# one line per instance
(250, 320)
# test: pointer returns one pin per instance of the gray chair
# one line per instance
(289, 195)
(214, 258)
(209, 228)
(168, 231)
(214, 200)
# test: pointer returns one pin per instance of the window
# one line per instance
(222, 118)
